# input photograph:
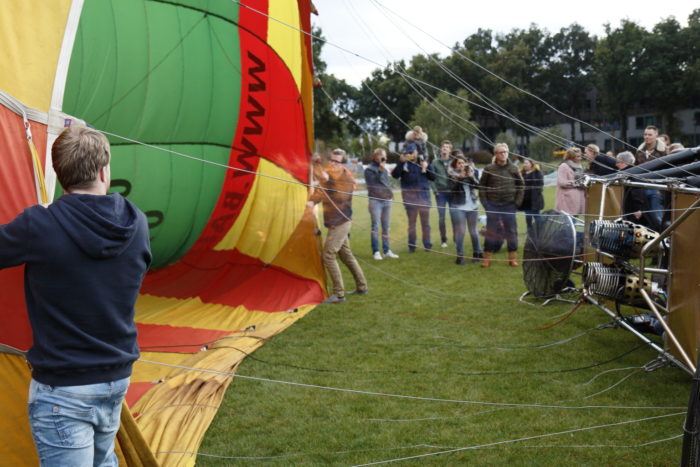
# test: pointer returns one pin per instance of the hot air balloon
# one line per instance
(207, 106)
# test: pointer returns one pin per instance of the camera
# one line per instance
(383, 159)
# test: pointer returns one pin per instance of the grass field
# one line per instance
(458, 338)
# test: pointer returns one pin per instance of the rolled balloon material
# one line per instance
(677, 159)
(678, 172)
(208, 109)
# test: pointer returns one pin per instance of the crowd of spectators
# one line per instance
(510, 183)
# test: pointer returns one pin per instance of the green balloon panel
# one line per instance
(166, 74)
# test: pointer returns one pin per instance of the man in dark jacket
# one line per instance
(85, 256)
(379, 190)
(337, 185)
(598, 164)
(501, 192)
(415, 190)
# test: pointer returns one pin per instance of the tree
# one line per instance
(431, 70)
(520, 61)
(334, 103)
(664, 62)
(568, 74)
(540, 149)
(617, 65)
(466, 61)
(503, 137)
(387, 97)
(690, 85)
(446, 117)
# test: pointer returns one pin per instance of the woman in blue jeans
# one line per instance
(464, 207)
(379, 189)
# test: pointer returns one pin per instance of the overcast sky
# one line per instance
(375, 32)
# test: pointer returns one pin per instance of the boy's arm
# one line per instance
(14, 241)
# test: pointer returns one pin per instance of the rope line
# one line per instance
(526, 438)
(284, 456)
(406, 397)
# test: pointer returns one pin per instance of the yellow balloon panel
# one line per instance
(16, 446)
(284, 38)
(197, 314)
(271, 214)
(31, 34)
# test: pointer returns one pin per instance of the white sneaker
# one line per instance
(391, 254)
(377, 255)
(444, 245)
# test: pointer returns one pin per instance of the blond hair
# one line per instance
(594, 148)
(77, 155)
(342, 153)
(572, 153)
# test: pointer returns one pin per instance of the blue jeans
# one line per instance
(500, 226)
(460, 220)
(417, 203)
(442, 199)
(655, 214)
(380, 212)
(531, 218)
(76, 425)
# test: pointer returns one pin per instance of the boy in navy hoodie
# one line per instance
(85, 256)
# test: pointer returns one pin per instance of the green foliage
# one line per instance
(664, 52)
(568, 72)
(503, 137)
(691, 46)
(335, 104)
(387, 96)
(541, 149)
(618, 63)
(480, 157)
(446, 117)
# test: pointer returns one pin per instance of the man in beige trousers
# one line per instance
(335, 191)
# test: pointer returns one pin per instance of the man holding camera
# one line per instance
(336, 187)
(415, 189)
(379, 190)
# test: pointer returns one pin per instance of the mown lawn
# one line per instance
(433, 330)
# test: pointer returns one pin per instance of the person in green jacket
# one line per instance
(501, 193)
(441, 187)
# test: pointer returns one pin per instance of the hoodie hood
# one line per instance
(102, 226)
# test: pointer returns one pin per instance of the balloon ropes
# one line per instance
(236, 255)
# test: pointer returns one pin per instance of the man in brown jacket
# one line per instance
(652, 147)
(336, 187)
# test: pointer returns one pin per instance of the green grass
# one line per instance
(432, 329)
